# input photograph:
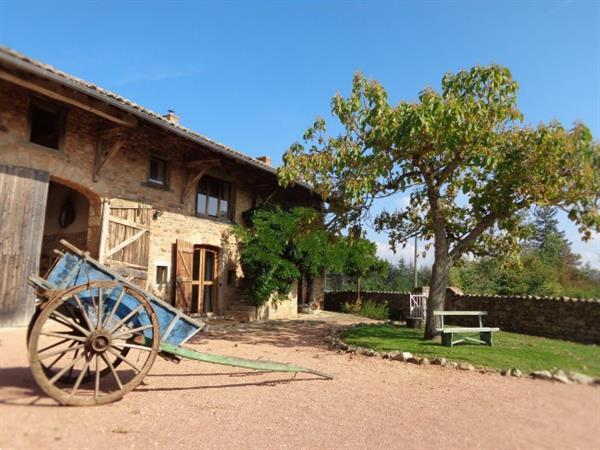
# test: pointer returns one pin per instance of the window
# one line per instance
(46, 125)
(214, 198)
(158, 171)
(161, 274)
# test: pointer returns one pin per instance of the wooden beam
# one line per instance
(63, 94)
(198, 163)
(103, 156)
(124, 244)
(128, 223)
(193, 176)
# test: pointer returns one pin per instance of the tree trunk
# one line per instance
(358, 289)
(437, 290)
(310, 288)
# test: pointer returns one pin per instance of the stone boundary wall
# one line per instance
(556, 317)
(397, 301)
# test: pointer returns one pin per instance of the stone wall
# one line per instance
(125, 177)
(398, 302)
(556, 317)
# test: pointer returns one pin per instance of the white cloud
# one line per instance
(408, 253)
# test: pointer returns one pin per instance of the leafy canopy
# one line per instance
(278, 246)
(464, 155)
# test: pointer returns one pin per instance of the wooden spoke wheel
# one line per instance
(88, 332)
(48, 364)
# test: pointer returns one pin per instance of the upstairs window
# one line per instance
(214, 198)
(46, 125)
(158, 171)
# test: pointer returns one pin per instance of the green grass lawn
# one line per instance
(526, 353)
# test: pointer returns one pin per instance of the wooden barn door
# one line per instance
(184, 254)
(125, 238)
(23, 195)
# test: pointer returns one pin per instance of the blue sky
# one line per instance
(253, 75)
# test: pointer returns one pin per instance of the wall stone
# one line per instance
(555, 317)
(398, 302)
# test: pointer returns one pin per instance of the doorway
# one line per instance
(204, 276)
(67, 215)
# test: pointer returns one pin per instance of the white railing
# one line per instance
(418, 306)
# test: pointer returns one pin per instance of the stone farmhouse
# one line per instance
(146, 196)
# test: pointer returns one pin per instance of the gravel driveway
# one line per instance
(372, 403)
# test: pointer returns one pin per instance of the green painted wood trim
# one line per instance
(269, 366)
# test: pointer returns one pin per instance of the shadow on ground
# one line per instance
(279, 333)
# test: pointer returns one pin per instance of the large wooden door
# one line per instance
(125, 240)
(23, 195)
(184, 259)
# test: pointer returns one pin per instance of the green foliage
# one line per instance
(279, 245)
(510, 350)
(352, 307)
(469, 163)
(264, 254)
(369, 308)
(374, 310)
(546, 266)
(392, 277)
(360, 258)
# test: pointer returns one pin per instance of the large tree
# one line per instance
(465, 156)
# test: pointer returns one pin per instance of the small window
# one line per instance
(161, 274)
(214, 198)
(46, 126)
(158, 171)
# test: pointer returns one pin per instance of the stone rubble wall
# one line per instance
(555, 317)
(398, 302)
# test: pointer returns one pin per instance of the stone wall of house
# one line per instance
(398, 302)
(556, 317)
(283, 310)
(125, 176)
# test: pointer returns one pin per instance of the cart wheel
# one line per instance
(48, 364)
(85, 333)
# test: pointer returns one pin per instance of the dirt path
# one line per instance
(372, 403)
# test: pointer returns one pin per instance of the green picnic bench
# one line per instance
(448, 332)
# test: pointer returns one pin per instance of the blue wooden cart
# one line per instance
(95, 335)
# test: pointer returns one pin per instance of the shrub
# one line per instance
(352, 307)
(374, 310)
(370, 309)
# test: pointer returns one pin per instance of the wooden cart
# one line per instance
(95, 335)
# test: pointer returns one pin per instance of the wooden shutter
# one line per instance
(183, 274)
(23, 195)
(125, 240)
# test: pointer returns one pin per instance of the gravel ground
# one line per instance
(372, 403)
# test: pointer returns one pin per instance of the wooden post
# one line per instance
(104, 229)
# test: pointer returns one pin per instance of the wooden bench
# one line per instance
(485, 333)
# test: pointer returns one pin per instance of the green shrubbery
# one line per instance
(370, 309)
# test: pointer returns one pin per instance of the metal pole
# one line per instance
(415, 266)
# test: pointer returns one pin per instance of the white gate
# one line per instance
(418, 306)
